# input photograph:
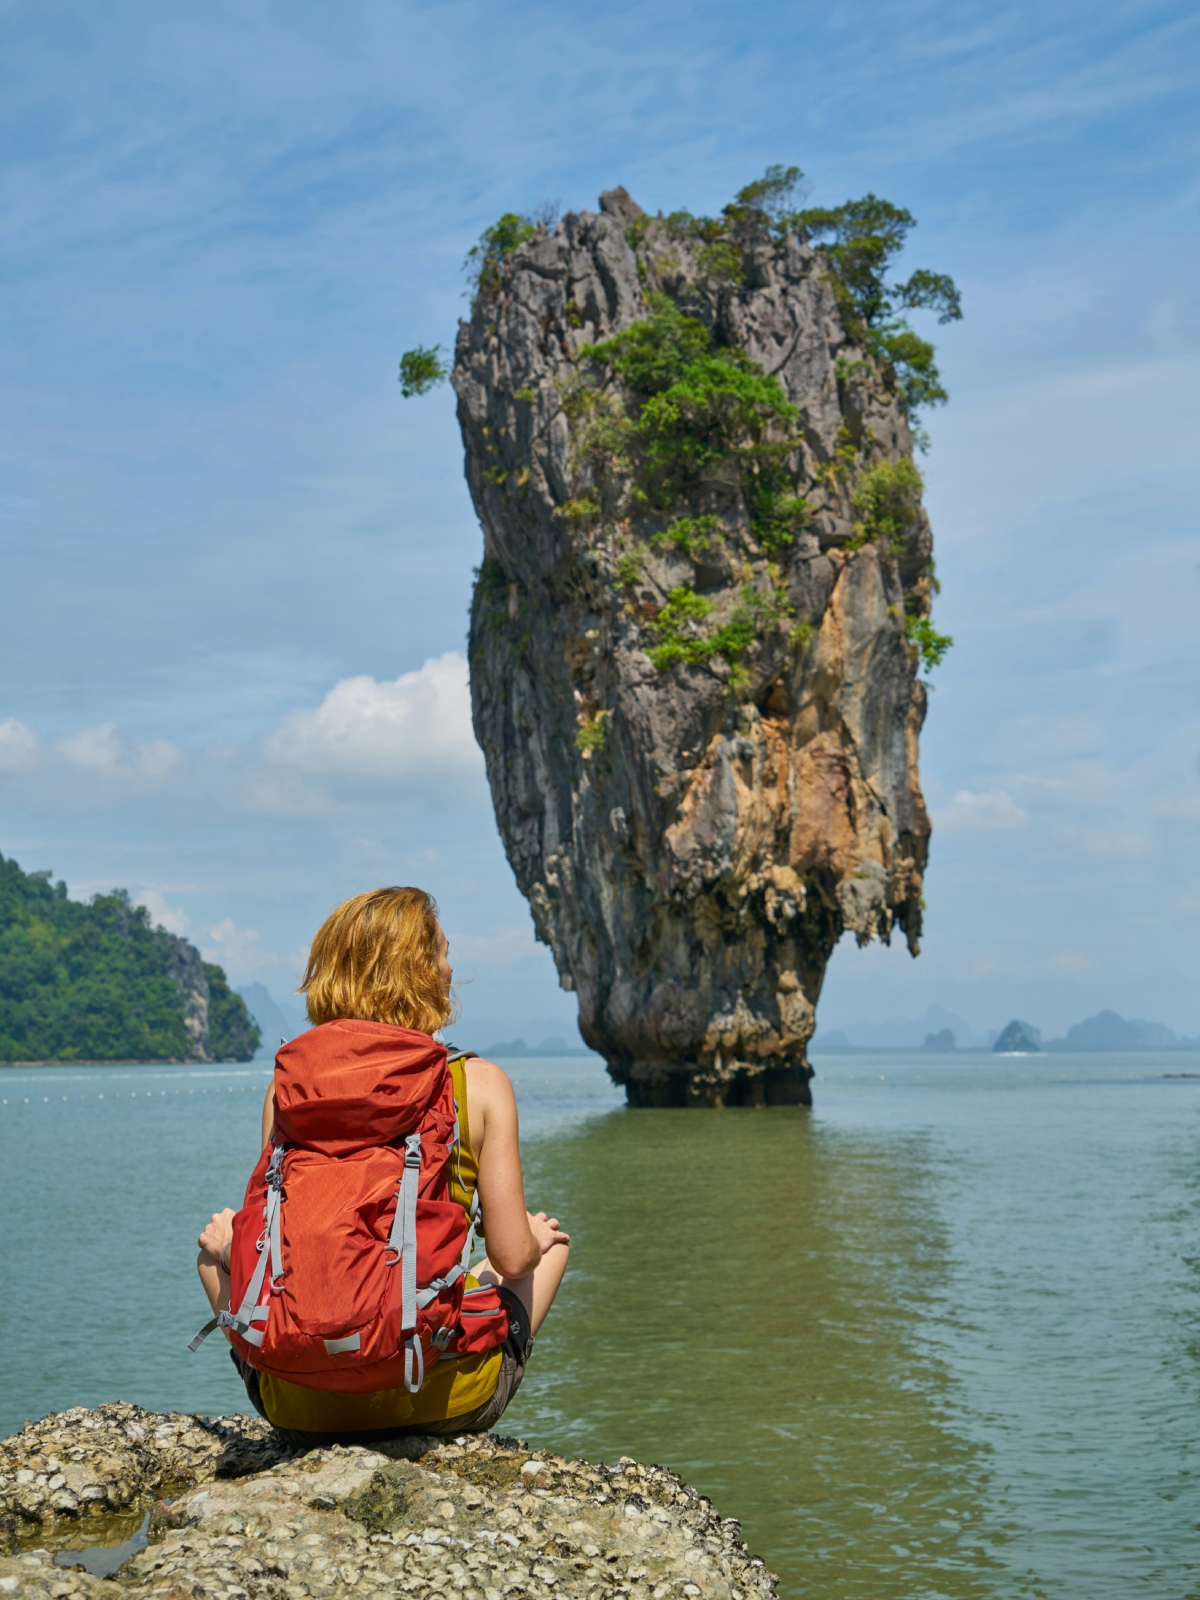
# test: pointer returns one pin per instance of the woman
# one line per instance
(378, 984)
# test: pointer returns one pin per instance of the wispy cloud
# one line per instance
(990, 810)
(105, 752)
(20, 746)
(164, 915)
(1071, 960)
(238, 952)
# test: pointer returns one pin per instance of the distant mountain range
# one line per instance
(939, 1030)
(898, 1034)
(1108, 1031)
(284, 1019)
(277, 1020)
(548, 1047)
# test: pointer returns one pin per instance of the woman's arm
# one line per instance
(516, 1242)
(268, 1118)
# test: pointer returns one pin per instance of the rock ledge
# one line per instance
(237, 1513)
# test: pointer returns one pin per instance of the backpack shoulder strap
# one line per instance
(454, 1054)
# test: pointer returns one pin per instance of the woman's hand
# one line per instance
(217, 1235)
(546, 1231)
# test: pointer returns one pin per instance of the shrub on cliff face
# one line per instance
(696, 404)
(421, 369)
(99, 982)
(485, 261)
(860, 239)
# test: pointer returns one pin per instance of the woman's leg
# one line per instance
(536, 1290)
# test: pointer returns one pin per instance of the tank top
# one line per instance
(451, 1388)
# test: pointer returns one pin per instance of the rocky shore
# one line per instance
(236, 1513)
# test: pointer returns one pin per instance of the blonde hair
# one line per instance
(376, 958)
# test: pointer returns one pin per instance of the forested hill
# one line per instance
(99, 982)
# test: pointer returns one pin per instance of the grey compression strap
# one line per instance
(411, 1349)
(212, 1324)
(473, 1217)
(402, 1241)
(269, 1249)
(469, 1245)
(435, 1287)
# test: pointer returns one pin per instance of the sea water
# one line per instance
(937, 1337)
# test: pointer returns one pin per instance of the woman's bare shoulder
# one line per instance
(490, 1100)
(486, 1077)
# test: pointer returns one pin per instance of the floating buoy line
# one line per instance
(121, 1094)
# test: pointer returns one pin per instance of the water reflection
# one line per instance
(744, 1306)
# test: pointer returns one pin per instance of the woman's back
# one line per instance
(378, 985)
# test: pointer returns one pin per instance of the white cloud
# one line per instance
(106, 752)
(414, 725)
(236, 950)
(1072, 960)
(1184, 808)
(501, 949)
(1118, 844)
(994, 809)
(285, 794)
(1045, 737)
(173, 918)
(19, 746)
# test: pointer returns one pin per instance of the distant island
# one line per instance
(1019, 1038)
(97, 981)
(1105, 1031)
(515, 1048)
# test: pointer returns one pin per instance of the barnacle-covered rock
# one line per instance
(477, 1517)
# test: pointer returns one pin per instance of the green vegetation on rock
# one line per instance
(690, 535)
(668, 416)
(233, 1034)
(887, 499)
(930, 645)
(679, 626)
(421, 368)
(485, 261)
(99, 982)
(591, 735)
(860, 239)
(694, 404)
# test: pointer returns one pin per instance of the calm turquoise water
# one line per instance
(936, 1338)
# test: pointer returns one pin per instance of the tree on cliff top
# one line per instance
(860, 240)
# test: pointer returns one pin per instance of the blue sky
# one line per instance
(237, 564)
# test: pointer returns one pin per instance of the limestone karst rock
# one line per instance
(690, 673)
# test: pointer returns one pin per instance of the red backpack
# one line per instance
(349, 1257)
